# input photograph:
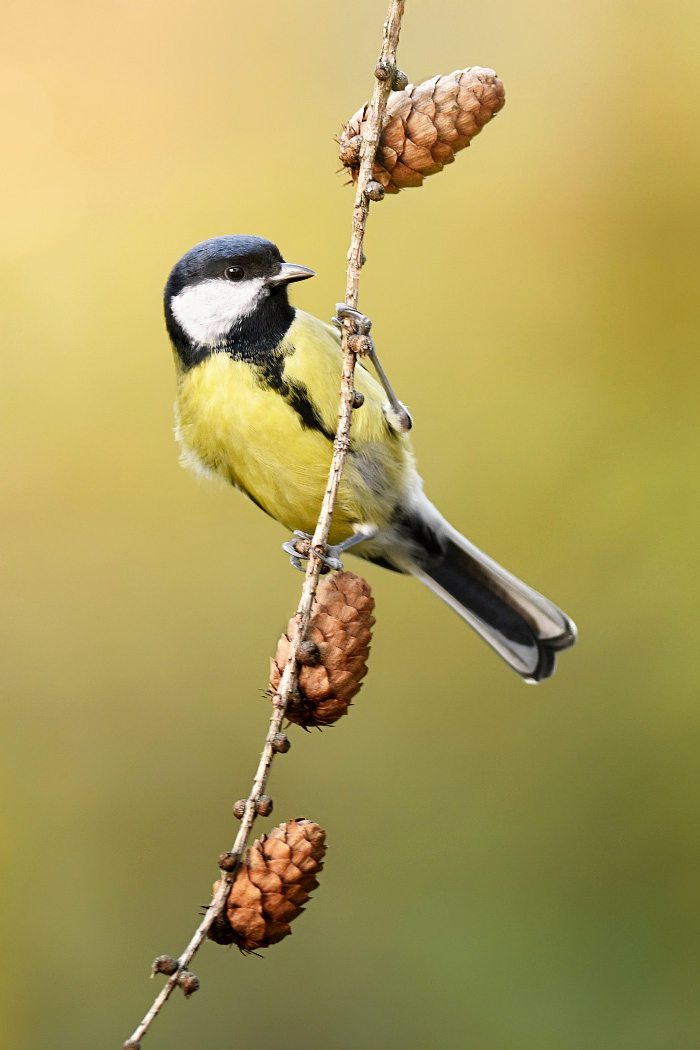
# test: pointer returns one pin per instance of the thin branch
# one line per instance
(384, 74)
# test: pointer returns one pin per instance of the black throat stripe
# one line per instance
(270, 374)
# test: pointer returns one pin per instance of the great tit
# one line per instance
(257, 406)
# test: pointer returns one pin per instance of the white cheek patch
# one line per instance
(207, 310)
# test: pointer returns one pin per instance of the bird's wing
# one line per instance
(313, 363)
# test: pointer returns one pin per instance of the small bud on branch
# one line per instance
(264, 806)
(281, 743)
(165, 964)
(228, 861)
(188, 983)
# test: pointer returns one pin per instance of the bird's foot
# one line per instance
(359, 323)
(397, 415)
(300, 548)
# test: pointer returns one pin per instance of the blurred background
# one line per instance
(509, 868)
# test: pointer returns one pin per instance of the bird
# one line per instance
(257, 406)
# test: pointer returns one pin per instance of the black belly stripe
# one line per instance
(297, 397)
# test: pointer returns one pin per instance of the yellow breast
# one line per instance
(236, 424)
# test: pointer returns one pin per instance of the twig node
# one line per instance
(374, 190)
(308, 653)
(165, 964)
(228, 861)
(360, 344)
(281, 743)
(264, 806)
(188, 982)
(384, 70)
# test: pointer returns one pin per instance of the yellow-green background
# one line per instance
(509, 868)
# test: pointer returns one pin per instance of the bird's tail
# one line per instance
(524, 627)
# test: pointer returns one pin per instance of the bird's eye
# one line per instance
(234, 273)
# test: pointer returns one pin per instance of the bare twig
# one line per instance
(384, 74)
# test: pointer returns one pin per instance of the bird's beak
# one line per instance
(290, 272)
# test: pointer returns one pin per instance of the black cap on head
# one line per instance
(209, 259)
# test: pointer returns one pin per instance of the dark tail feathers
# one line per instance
(523, 627)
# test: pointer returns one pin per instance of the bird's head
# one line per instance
(229, 291)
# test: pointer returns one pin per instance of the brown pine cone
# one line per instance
(273, 883)
(341, 626)
(425, 126)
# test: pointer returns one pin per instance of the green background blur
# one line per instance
(509, 868)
